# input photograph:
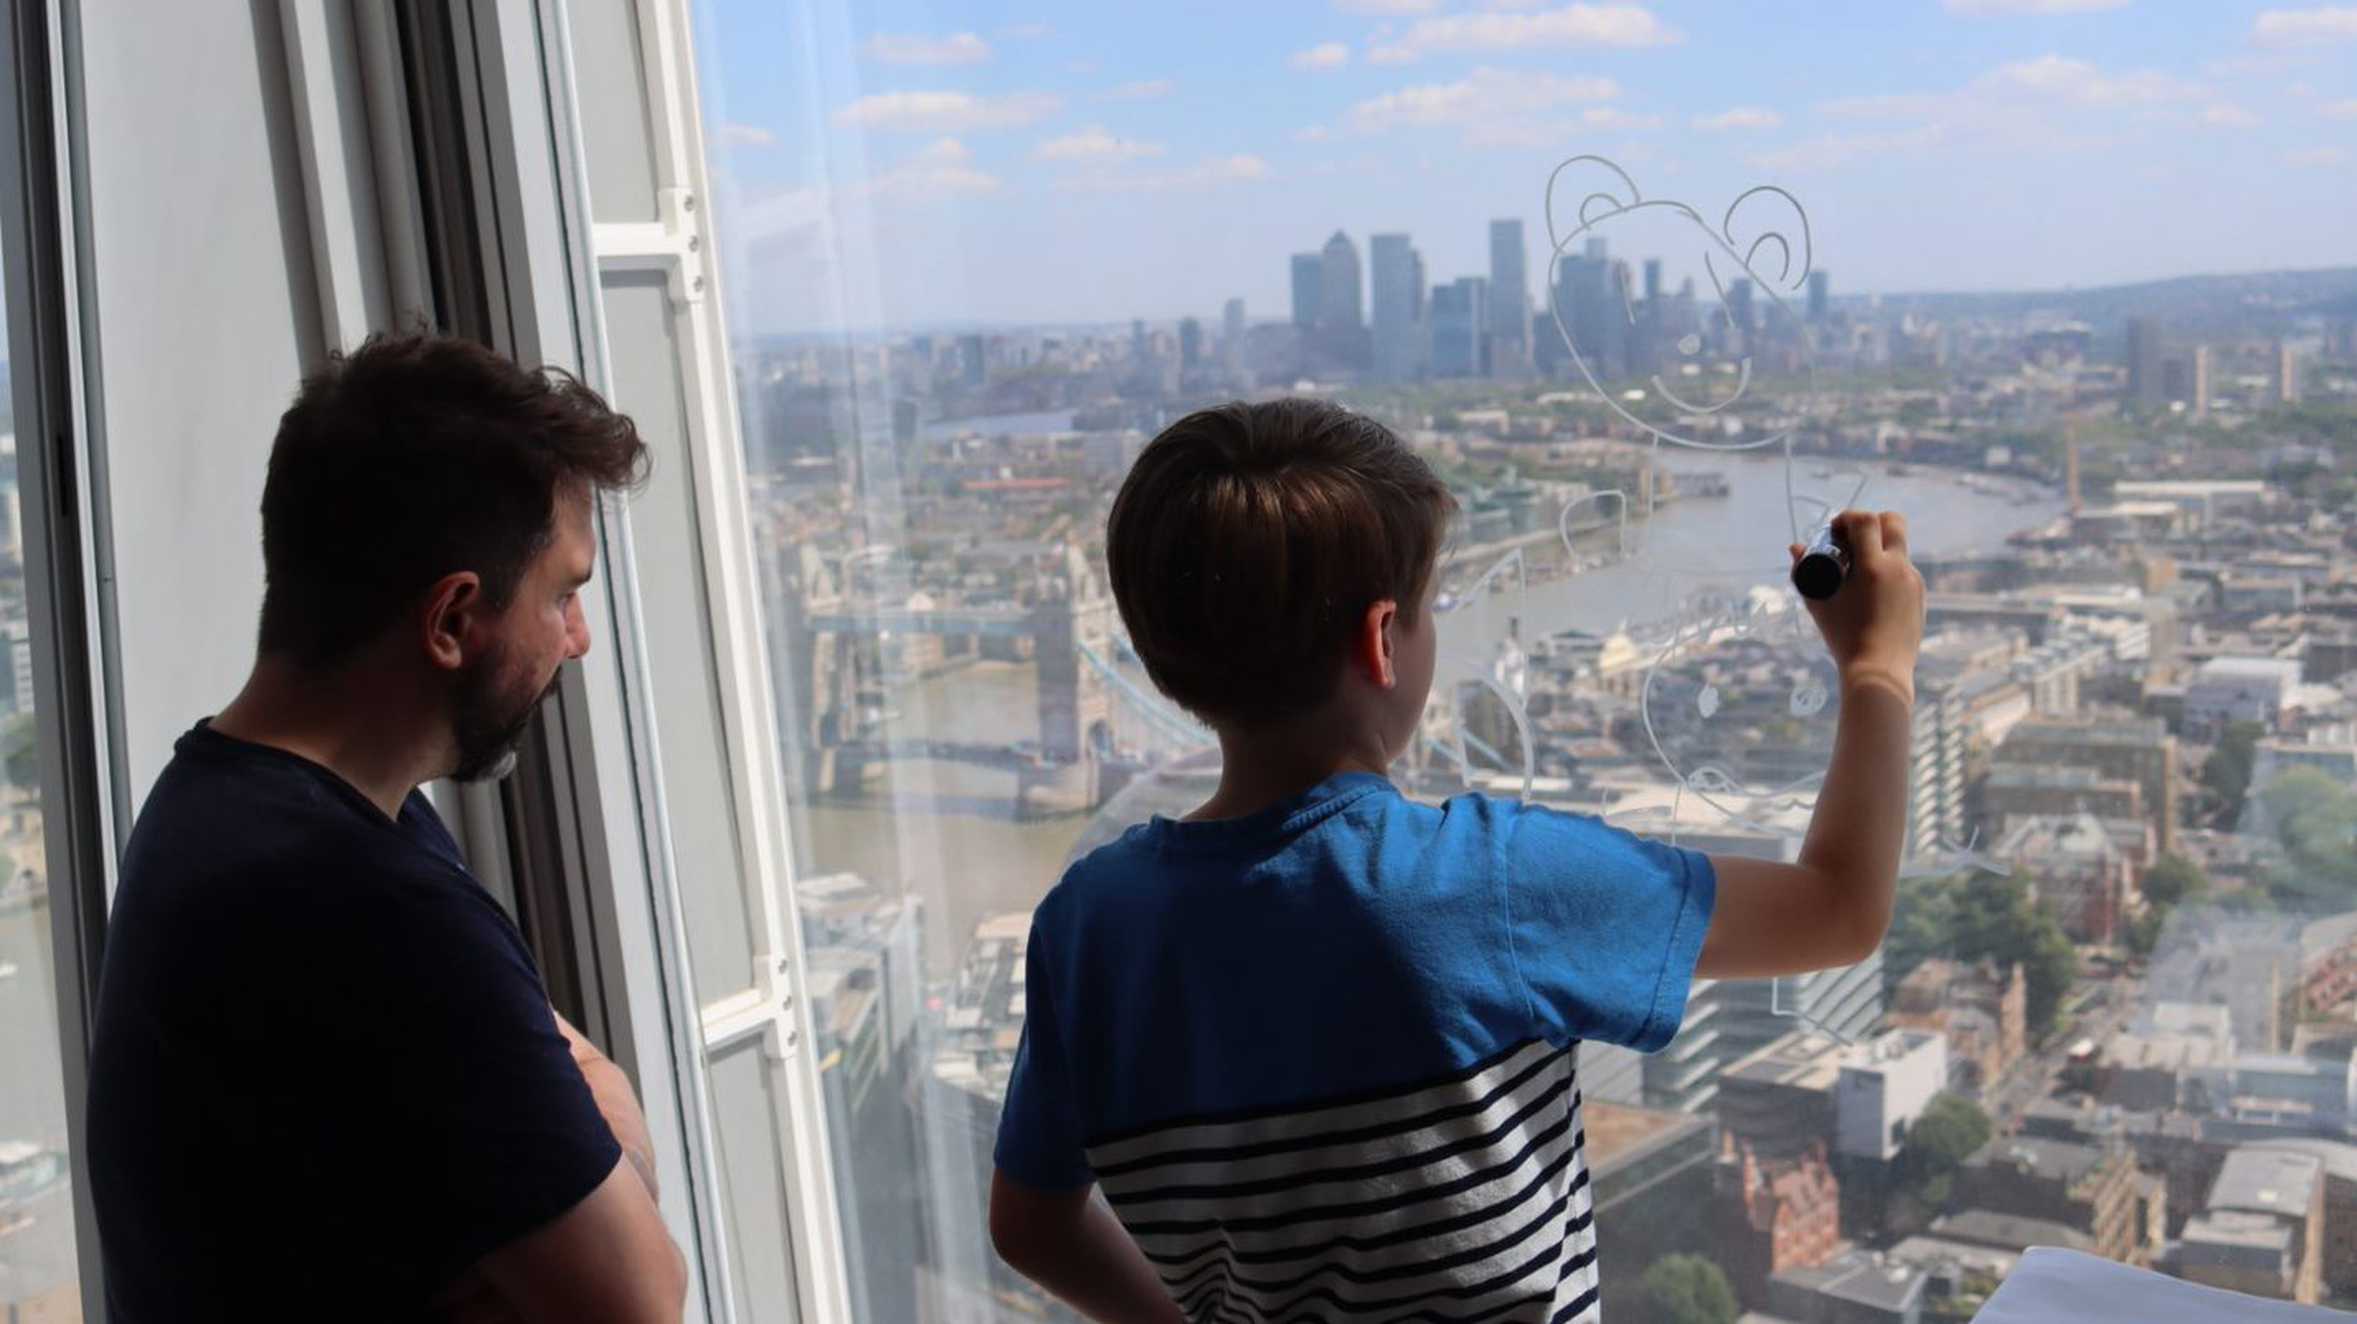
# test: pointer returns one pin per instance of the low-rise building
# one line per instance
(2288, 1187)
(2339, 1161)
(2227, 690)
(1981, 1011)
(2012, 791)
(1772, 1217)
(1855, 1287)
(2088, 1187)
(2137, 749)
(2079, 872)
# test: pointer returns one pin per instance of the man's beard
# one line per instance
(488, 724)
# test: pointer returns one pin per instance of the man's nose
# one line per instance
(576, 633)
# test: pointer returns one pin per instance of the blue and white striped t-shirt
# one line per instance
(1323, 1060)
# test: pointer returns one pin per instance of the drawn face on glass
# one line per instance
(1670, 361)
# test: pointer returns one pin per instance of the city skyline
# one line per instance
(922, 168)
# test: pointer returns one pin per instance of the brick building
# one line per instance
(1981, 1011)
(1773, 1216)
(2088, 1187)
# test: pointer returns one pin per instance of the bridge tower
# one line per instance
(1074, 612)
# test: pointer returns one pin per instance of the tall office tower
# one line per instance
(1309, 281)
(2144, 363)
(1820, 295)
(1340, 307)
(973, 363)
(1739, 312)
(2201, 381)
(1653, 280)
(1593, 313)
(1190, 344)
(1595, 249)
(1400, 333)
(1461, 324)
(2287, 375)
(1140, 349)
(1622, 306)
(1508, 298)
(1231, 336)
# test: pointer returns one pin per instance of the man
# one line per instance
(327, 1082)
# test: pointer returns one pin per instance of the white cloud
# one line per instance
(2230, 117)
(1613, 117)
(1026, 32)
(2020, 105)
(1985, 7)
(942, 170)
(2082, 83)
(1388, 8)
(2316, 156)
(2340, 110)
(1577, 24)
(746, 135)
(1145, 89)
(959, 48)
(2285, 27)
(1210, 172)
(1315, 133)
(1320, 58)
(946, 112)
(1835, 150)
(1741, 117)
(1485, 99)
(1094, 143)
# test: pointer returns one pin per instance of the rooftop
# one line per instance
(2270, 1181)
(2234, 1228)
(2113, 731)
(2285, 670)
(2055, 1160)
(1984, 1227)
(1866, 1278)
(1797, 1060)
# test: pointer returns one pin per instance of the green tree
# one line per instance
(1951, 1130)
(1688, 1289)
(2172, 878)
(2226, 773)
(2315, 821)
(2144, 931)
(1973, 917)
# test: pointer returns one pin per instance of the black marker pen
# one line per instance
(1824, 563)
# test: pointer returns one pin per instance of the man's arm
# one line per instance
(1071, 1244)
(1831, 907)
(607, 1260)
(616, 1102)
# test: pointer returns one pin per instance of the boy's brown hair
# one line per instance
(1248, 542)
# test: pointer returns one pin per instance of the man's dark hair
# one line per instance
(411, 458)
(1248, 542)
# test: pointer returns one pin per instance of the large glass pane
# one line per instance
(975, 259)
(39, 1278)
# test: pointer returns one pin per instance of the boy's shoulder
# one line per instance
(1149, 858)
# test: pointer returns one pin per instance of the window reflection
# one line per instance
(2122, 961)
(39, 1278)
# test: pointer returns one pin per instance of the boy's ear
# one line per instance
(1371, 651)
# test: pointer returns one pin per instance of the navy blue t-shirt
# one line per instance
(326, 1079)
(1323, 1060)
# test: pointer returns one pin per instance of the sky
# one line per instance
(1041, 162)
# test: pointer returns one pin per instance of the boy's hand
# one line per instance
(1873, 626)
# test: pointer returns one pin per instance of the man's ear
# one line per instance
(455, 617)
(1372, 649)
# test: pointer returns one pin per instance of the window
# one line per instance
(972, 260)
(40, 1275)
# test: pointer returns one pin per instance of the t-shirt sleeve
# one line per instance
(477, 1117)
(1039, 1142)
(1605, 925)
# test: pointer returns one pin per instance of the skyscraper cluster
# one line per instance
(1489, 326)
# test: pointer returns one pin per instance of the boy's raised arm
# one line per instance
(1830, 907)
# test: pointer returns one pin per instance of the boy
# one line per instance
(1316, 1042)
